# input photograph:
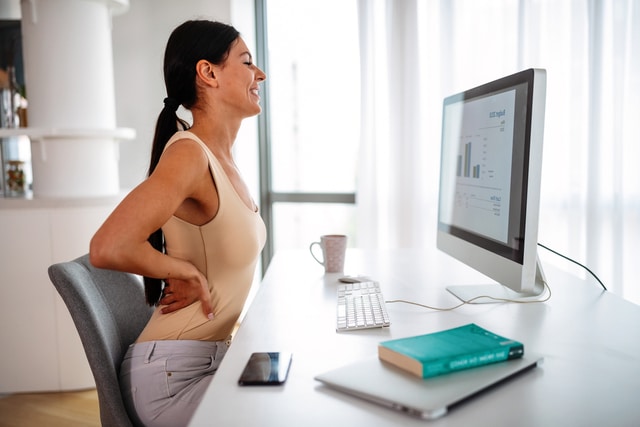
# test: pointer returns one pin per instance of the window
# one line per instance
(311, 120)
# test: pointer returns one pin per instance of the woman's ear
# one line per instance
(205, 71)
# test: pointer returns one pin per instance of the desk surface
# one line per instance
(589, 338)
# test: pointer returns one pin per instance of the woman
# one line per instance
(191, 225)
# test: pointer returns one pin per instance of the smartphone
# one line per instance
(266, 368)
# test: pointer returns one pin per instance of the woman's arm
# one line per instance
(121, 242)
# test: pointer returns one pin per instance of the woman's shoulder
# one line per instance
(189, 138)
(184, 134)
(183, 146)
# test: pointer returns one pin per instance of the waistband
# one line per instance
(147, 349)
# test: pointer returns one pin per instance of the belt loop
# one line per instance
(149, 352)
(221, 348)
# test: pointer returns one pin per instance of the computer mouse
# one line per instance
(353, 279)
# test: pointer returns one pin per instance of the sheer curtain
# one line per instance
(413, 53)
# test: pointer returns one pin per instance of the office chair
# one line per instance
(108, 308)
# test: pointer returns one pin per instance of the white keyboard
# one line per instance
(360, 306)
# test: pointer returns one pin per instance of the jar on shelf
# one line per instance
(15, 179)
(15, 166)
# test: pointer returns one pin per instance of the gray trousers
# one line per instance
(162, 382)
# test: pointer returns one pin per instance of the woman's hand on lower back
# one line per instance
(179, 293)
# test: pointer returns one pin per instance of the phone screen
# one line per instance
(266, 368)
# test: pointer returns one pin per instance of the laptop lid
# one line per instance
(385, 384)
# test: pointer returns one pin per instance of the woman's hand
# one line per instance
(179, 293)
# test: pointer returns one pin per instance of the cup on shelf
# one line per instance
(333, 247)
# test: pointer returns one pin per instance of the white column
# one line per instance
(70, 88)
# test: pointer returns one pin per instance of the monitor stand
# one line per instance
(496, 293)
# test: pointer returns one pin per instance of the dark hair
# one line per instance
(188, 43)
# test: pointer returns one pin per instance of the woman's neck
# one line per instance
(219, 137)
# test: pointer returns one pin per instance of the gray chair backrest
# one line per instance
(109, 310)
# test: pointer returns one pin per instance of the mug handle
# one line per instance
(313, 255)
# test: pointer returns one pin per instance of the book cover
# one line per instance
(450, 350)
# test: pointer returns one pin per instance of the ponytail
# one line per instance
(166, 127)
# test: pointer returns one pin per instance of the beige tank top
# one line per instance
(225, 250)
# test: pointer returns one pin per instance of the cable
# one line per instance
(471, 301)
(575, 262)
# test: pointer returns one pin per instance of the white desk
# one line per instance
(590, 340)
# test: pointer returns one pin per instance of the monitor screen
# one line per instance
(491, 158)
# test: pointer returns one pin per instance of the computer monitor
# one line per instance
(489, 199)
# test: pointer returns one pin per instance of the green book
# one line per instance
(450, 350)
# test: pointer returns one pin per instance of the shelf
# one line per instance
(54, 133)
(28, 201)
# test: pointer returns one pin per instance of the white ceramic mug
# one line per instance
(333, 248)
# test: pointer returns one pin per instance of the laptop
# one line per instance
(387, 385)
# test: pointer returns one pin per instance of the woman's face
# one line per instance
(238, 80)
